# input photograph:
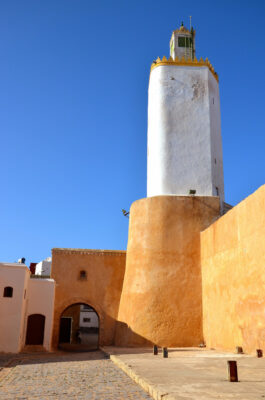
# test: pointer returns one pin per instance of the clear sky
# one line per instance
(73, 107)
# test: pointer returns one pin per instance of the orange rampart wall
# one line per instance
(233, 277)
(161, 299)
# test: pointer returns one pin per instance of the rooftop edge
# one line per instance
(185, 62)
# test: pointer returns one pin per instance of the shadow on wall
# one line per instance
(124, 335)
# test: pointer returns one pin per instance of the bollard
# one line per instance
(259, 353)
(155, 350)
(232, 371)
(239, 350)
(165, 352)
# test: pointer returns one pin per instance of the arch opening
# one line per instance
(79, 328)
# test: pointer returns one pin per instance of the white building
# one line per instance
(44, 267)
(88, 317)
(26, 309)
(184, 129)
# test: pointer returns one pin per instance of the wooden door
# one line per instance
(35, 329)
(65, 330)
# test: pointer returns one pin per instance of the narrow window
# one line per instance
(184, 41)
(8, 291)
(82, 275)
(25, 292)
(217, 191)
(86, 319)
(213, 100)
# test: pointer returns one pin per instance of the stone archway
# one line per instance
(58, 313)
(79, 328)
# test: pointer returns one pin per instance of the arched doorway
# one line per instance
(35, 329)
(79, 328)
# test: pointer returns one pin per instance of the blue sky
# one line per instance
(73, 106)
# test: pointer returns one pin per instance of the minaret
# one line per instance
(184, 130)
(161, 300)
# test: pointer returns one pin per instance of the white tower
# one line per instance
(184, 129)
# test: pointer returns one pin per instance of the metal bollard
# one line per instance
(259, 353)
(165, 352)
(155, 350)
(232, 371)
(239, 350)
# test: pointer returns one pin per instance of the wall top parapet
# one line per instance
(89, 251)
(185, 62)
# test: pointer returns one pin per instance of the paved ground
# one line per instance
(65, 376)
(192, 374)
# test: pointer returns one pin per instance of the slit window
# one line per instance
(82, 275)
(8, 291)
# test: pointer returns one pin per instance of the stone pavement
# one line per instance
(65, 376)
(192, 373)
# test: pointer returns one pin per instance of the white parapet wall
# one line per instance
(44, 267)
(184, 132)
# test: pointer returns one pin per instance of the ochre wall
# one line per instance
(233, 277)
(101, 290)
(161, 297)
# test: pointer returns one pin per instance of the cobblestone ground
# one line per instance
(65, 376)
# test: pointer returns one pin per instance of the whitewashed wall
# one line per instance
(93, 323)
(216, 138)
(184, 134)
(44, 267)
(12, 309)
(41, 301)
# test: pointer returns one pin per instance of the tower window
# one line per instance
(184, 41)
(82, 275)
(8, 291)
(217, 191)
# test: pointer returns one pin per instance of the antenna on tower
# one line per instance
(190, 22)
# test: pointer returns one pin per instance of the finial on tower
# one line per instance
(182, 42)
